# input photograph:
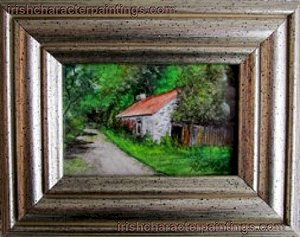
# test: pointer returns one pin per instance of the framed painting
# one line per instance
(147, 119)
(148, 83)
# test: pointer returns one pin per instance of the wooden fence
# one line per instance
(195, 135)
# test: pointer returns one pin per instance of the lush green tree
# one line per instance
(78, 82)
(113, 90)
(170, 79)
(147, 78)
(202, 99)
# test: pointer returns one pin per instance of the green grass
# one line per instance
(76, 166)
(173, 160)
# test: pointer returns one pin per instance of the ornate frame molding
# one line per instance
(262, 37)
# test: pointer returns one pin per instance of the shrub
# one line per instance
(216, 159)
(147, 140)
(166, 141)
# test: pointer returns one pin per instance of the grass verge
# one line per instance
(173, 160)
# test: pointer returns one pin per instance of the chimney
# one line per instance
(140, 97)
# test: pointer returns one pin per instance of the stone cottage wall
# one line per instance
(162, 121)
(147, 124)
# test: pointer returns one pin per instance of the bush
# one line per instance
(147, 140)
(166, 141)
(216, 159)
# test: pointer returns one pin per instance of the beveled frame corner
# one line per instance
(263, 39)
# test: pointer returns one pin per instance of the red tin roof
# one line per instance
(149, 105)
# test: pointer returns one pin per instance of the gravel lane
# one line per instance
(106, 158)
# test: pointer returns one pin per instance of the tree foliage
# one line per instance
(74, 89)
(202, 98)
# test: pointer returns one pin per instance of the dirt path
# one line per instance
(105, 158)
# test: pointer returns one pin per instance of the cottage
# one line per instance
(151, 115)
